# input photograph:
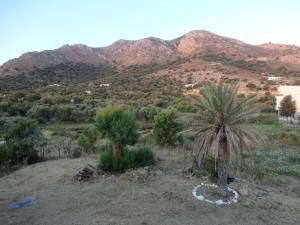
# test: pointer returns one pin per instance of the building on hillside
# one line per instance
(189, 85)
(274, 78)
(54, 85)
(283, 91)
(88, 92)
(104, 85)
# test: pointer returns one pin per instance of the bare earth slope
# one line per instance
(165, 198)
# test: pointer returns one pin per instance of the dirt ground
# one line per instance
(165, 197)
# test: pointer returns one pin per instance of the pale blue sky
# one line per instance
(36, 25)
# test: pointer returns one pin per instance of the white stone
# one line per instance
(200, 197)
(220, 202)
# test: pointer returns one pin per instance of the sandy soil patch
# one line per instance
(164, 198)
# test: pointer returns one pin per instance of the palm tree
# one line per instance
(222, 119)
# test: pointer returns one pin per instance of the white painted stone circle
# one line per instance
(217, 202)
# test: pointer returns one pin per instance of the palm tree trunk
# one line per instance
(115, 150)
(223, 163)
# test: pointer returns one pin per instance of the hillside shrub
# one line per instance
(41, 113)
(3, 155)
(148, 112)
(127, 159)
(165, 127)
(33, 97)
(18, 109)
(251, 86)
(21, 138)
(87, 138)
(4, 106)
(64, 112)
(209, 167)
(79, 115)
(184, 107)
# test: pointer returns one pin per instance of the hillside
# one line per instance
(203, 53)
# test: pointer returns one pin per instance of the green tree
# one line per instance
(287, 106)
(87, 138)
(118, 125)
(222, 119)
(148, 112)
(21, 138)
(165, 127)
(42, 113)
(64, 112)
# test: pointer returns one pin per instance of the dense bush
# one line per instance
(87, 138)
(139, 157)
(148, 112)
(33, 97)
(64, 112)
(49, 99)
(20, 139)
(267, 109)
(79, 115)
(142, 156)
(3, 155)
(4, 106)
(184, 107)
(41, 113)
(209, 167)
(165, 127)
(251, 86)
(18, 109)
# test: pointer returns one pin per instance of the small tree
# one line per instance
(222, 119)
(87, 138)
(21, 138)
(287, 106)
(63, 112)
(118, 125)
(251, 86)
(165, 127)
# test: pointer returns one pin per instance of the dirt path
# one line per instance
(165, 198)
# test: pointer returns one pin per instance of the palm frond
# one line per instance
(222, 114)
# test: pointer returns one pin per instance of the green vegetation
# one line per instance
(209, 167)
(265, 163)
(87, 139)
(118, 125)
(222, 119)
(287, 106)
(165, 127)
(20, 142)
(149, 107)
(127, 159)
(251, 86)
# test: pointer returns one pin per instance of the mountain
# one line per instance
(154, 50)
(196, 56)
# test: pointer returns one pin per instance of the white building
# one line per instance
(54, 85)
(294, 91)
(104, 85)
(88, 92)
(189, 85)
(274, 78)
